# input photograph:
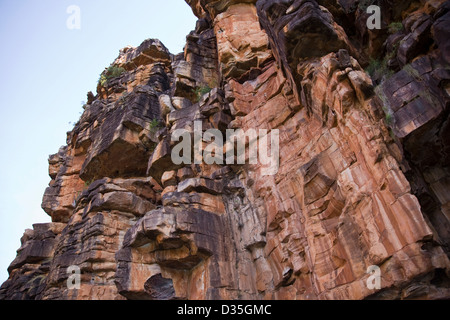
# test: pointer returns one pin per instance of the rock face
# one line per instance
(363, 177)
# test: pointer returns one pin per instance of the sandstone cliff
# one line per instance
(364, 174)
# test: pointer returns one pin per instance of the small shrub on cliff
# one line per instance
(379, 69)
(112, 72)
(102, 80)
(389, 118)
(389, 115)
(155, 124)
(373, 66)
(200, 91)
(87, 183)
(395, 27)
(412, 72)
(363, 4)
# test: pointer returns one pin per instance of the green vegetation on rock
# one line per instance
(112, 72)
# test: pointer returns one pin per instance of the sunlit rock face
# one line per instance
(363, 178)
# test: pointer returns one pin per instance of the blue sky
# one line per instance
(46, 71)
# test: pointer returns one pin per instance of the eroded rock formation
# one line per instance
(363, 178)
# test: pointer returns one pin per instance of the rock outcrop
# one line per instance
(363, 177)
